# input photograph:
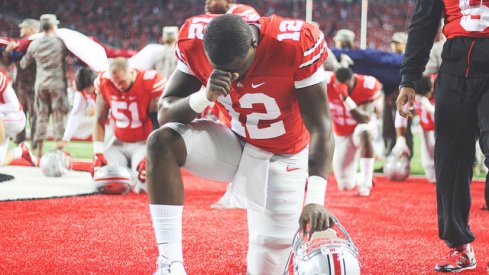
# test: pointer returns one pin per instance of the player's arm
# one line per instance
(73, 121)
(173, 106)
(8, 49)
(315, 112)
(401, 147)
(363, 112)
(101, 114)
(180, 102)
(153, 112)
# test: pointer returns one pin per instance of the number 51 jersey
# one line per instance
(129, 110)
(263, 104)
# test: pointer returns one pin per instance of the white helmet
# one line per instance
(325, 253)
(113, 179)
(397, 168)
(55, 163)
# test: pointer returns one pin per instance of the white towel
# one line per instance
(249, 187)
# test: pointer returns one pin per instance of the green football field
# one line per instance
(83, 150)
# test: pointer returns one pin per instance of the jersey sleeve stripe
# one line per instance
(315, 58)
(159, 88)
(184, 68)
(159, 83)
(316, 45)
(3, 82)
(179, 54)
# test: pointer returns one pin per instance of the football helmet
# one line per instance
(55, 163)
(113, 179)
(324, 254)
(397, 168)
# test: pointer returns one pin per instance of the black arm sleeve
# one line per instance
(422, 31)
(154, 120)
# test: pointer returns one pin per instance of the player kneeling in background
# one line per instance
(82, 115)
(424, 107)
(131, 96)
(351, 100)
(12, 122)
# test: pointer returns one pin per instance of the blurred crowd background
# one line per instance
(130, 24)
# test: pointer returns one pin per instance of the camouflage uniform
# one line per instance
(49, 52)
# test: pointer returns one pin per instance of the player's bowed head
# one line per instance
(230, 45)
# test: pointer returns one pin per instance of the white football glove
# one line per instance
(401, 147)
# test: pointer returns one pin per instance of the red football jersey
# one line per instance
(4, 82)
(426, 120)
(245, 11)
(89, 97)
(263, 105)
(366, 89)
(468, 18)
(129, 110)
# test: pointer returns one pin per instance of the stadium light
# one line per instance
(309, 5)
(363, 25)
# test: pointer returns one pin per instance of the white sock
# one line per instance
(167, 222)
(366, 171)
(17, 152)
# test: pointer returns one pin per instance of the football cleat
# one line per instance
(27, 154)
(460, 258)
(165, 267)
(363, 191)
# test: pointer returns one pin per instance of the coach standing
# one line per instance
(462, 110)
(49, 52)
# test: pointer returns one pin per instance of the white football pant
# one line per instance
(428, 154)
(214, 152)
(347, 154)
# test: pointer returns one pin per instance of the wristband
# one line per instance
(349, 104)
(198, 101)
(316, 189)
(98, 147)
(401, 139)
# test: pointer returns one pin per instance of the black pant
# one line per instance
(462, 110)
(388, 124)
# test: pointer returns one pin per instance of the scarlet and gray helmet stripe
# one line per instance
(112, 178)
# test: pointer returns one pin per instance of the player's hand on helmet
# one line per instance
(219, 84)
(401, 147)
(142, 170)
(98, 161)
(406, 96)
(315, 217)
